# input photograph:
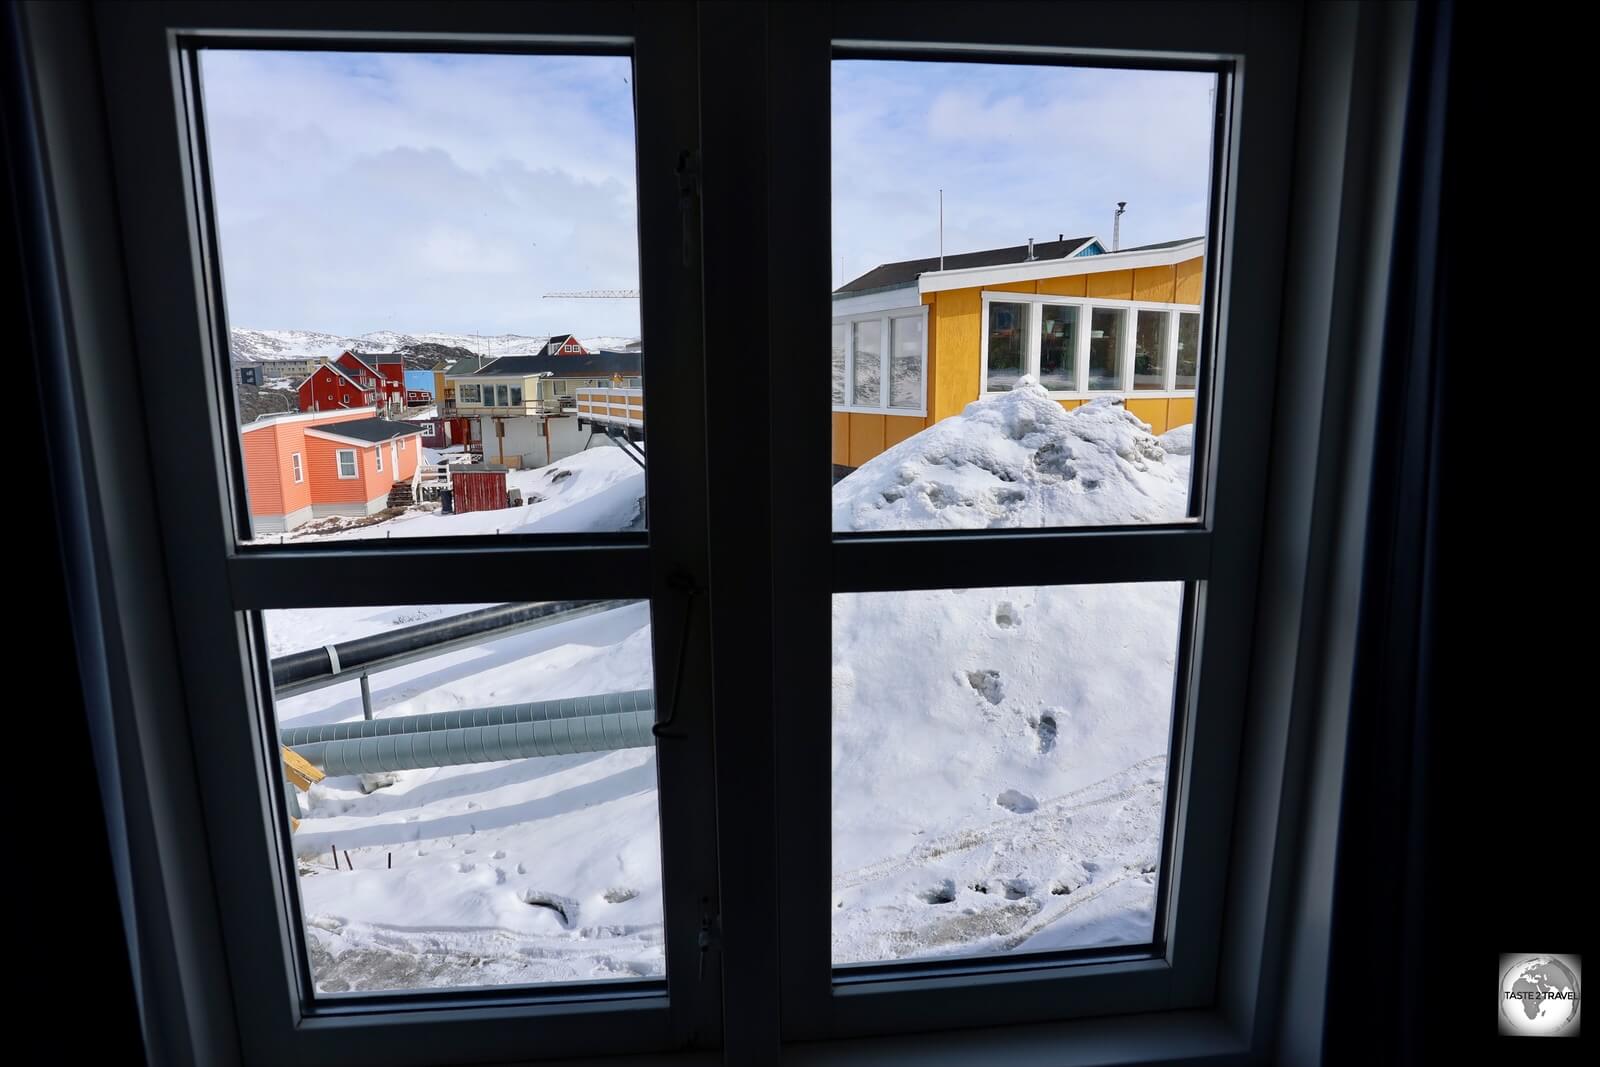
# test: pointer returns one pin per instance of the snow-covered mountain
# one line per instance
(303, 344)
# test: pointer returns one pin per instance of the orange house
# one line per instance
(300, 467)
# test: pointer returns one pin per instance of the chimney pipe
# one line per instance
(1030, 249)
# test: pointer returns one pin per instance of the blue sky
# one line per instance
(361, 192)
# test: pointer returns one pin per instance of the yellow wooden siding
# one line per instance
(958, 314)
(1069, 404)
(1190, 280)
(1155, 284)
(1111, 284)
(1180, 411)
(841, 438)
(866, 437)
(897, 428)
(1013, 287)
(1153, 411)
(1073, 286)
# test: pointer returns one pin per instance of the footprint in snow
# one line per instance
(1017, 801)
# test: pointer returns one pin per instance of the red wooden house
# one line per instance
(385, 372)
(334, 388)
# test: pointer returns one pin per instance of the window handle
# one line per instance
(683, 582)
(710, 935)
(689, 200)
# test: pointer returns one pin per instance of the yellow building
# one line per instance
(914, 343)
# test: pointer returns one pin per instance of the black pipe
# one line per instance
(366, 652)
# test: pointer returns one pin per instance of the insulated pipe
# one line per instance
(300, 672)
(641, 700)
(483, 744)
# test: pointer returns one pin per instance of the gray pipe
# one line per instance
(643, 700)
(483, 744)
(300, 672)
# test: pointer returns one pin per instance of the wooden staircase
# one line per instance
(400, 496)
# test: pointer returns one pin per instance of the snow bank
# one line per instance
(1018, 459)
(999, 754)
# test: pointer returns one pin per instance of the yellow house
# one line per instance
(914, 342)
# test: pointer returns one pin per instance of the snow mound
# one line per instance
(1019, 459)
(1178, 441)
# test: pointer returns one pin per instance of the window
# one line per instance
(866, 390)
(1188, 357)
(1058, 347)
(1150, 344)
(503, 397)
(870, 348)
(1007, 339)
(840, 329)
(299, 472)
(469, 394)
(378, 452)
(516, 396)
(1106, 331)
(741, 844)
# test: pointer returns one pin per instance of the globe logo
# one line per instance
(1539, 996)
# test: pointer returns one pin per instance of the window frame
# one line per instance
(1086, 306)
(355, 464)
(138, 655)
(148, 136)
(297, 466)
(886, 320)
(1241, 307)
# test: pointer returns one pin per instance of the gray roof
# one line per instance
(1160, 244)
(894, 275)
(602, 364)
(369, 430)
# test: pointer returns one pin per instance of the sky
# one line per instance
(419, 193)
(1020, 151)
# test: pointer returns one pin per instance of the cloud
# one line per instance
(1020, 152)
(364, 192)
(358, 192)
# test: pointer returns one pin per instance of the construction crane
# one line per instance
(594, 294)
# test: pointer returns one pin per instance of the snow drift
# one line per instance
(1018, 459)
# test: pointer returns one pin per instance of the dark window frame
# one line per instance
(137, 652)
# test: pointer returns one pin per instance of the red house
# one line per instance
(334, 388)
(564, 344)
(384, 372)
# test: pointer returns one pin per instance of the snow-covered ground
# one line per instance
(998, 754)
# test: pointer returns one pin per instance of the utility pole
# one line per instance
(941, 229)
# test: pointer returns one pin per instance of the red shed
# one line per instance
(478, 487)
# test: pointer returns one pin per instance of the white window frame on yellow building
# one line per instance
(885, 318)
(1080, 359)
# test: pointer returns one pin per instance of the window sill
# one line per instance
(1170, 1037)
(910, 413)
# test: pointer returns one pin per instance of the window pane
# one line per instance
(942, 174)
(905, 381)
(1008, 345)
(1188, 349)
(1058, 345)
(869, 364)
(838, 362)
(1150, 351)
(1105, 348)
(383, 222)
(447, 854)
(999, 767)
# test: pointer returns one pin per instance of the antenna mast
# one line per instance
(941, 229)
